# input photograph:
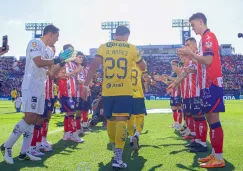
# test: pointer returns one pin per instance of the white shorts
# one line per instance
(33, 102)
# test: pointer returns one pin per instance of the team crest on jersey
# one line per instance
(209, 44)
(33, 105)
(34, 44)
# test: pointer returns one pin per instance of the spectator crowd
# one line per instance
(12, 70)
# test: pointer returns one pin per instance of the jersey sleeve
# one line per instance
(34, 48)
(136, 56)
(101, 51)
(209, 45)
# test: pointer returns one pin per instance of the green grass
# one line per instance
(161, 147)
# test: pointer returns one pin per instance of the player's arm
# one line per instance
(138, 60)
(74, 73)
(207, 59)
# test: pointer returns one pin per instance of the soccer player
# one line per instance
(13, 94)
(211, 82)
(175, 99)
(67, 90)
(139, 109)
(82, 105)
(117, 57)
(199, 145)
(33, 91)
(18, 103)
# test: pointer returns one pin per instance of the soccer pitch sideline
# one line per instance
(161, 148)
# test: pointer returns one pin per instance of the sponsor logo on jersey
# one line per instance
(34, 44)
(111, 44)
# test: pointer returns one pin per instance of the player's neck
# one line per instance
(44, 40)
(203, 31)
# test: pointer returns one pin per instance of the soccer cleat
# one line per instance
(191, 145)
(7, 153)
(213, 163)
(76, 138)
(198, 148)
(45, 148)
(116, 165)
(206, 159)
(187, 130)
(35, 152)
(135, 141)
(45, 142)
(81, 132)
(187, 137)
(178, 127)
(28, 156)
(192, 140)
(67, 136)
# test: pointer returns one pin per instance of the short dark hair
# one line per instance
(122, 30)
(67, 46)
(175, 62)
(80, 53)
(50, 29)
(192, 39)
(199, 16)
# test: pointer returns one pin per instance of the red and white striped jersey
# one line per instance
(194, 89)
(212, 74)
(176, 92)
(49, 88)
(184, 86)
(81, 76)
(67, 86)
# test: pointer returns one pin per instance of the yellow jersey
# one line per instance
(137, 82)
(13, 93)
(118, 58)
(55, 90)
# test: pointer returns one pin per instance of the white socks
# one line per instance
(18, 130)
(28, 135)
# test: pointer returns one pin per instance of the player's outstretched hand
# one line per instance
(170, 88)
(158, 78)
(64, 56)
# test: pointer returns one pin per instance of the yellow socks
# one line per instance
(121, 130)
(111, 130)
(139, 123)
(130, 127)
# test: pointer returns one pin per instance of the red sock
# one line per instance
(35, 135)
(78, 124)
(45, 127)
(65, 123)
(197, 129)
(71, 124)
(203, 130)
(192, 124)
(39, 137)
(85, 116)
(175, 115)
(179, 116)
(217, 137)
(188, 121)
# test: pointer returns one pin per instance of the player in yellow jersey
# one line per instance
(13, 94)
(139, 108)
(117, 57)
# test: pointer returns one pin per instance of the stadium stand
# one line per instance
(12, 70)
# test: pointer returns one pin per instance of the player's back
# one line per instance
(118, 58)
(137, 82)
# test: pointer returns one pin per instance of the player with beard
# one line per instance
(33, 91)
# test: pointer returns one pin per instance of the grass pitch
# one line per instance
(160, 147)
